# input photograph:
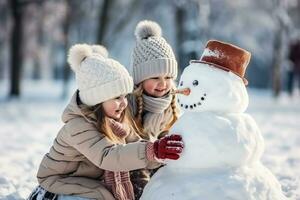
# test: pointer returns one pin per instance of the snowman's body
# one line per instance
(223, 145)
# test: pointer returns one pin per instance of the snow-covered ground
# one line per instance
(28, 126)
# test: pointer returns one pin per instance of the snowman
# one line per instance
(223, 145)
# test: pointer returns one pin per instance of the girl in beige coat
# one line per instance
(98, 145)
(153, 102)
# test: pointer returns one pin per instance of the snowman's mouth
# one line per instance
(194, 105)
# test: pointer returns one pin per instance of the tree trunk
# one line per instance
(3, 47)
(277, 61)
(103, 21)
(16, 48)
(66, 68)
(122, 23)
(179, 18)
(37, 71)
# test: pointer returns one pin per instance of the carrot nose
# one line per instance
(184, 91)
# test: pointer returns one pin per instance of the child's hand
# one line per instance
(168, 147)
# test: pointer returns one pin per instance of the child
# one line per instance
(97, 147)
(154, 103)
(154, 71)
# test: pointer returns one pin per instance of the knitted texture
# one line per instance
(119, 184)
(150, 49)
(98, 78)
(152, 55)
(118, 129)
(150, 155)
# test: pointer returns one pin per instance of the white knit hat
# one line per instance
(152, 55)
(98, 77)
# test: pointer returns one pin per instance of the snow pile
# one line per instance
(223, 145)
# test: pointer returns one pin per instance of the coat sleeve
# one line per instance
(102, 152)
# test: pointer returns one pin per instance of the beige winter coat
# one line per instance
(80, 154)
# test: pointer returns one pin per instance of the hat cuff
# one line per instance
(154, 68)
(110, 90)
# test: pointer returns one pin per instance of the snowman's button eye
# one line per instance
(181, 83)
(195, 83)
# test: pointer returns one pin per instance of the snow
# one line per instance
(210, 53)
(212, 185)
(29, 125)
(230, 140)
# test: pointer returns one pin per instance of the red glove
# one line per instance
(168, 147)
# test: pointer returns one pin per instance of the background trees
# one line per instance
(36, 34)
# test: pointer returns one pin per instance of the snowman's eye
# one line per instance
(181, 83)
(195, 83)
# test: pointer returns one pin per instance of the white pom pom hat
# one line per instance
(152, 55)
(98, 77)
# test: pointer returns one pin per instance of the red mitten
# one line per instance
(168, 147)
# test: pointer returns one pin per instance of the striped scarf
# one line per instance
(119, 182)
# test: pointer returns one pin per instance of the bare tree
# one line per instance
(277, 61)
(103, 20)
(111, 25)
(282, 20)
(3, 36)
(16, 57)
(179, 19)
(66, 28)
(187, 30)
(41, 42)
(16, 47)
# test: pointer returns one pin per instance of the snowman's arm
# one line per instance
(255, 131)
(251, 123)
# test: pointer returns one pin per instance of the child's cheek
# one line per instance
(169, 86)
(149, 87)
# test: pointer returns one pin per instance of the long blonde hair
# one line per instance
(138, 93)
(102, 122)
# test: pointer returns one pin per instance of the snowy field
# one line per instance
(28, 126)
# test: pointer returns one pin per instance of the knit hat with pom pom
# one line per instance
(98, 77)
(152, 55)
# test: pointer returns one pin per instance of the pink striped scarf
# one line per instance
(120, 185)
(119, 182)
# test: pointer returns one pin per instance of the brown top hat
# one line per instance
(226, 56)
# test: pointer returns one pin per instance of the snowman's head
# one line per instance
(212, 89)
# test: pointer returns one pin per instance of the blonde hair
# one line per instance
(138, 93)
(103, 122)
